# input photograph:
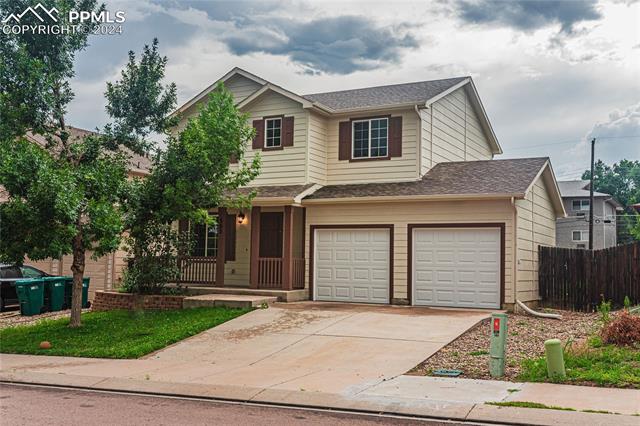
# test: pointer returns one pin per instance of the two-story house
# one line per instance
(384, 195)
(573, 231)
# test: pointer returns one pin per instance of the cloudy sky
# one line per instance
(551, 74)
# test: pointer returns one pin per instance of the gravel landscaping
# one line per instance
(525, 340)
(13, 318)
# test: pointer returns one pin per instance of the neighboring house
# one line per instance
(106, 271)
(573, 231)
(385, 195)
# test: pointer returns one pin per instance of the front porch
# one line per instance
(262, 250)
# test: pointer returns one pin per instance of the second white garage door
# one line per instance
(352, 265)
(457, 267)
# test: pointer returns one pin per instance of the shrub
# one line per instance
(604, 310)
(154, 260)
(623, 330)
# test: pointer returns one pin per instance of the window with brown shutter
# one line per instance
(344, 140)
(258, 140)
(287, 131)
(395, 136)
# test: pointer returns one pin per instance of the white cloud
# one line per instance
(536, 93)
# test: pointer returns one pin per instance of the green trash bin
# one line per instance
(68, 288)
(54, 293)
(31, 296)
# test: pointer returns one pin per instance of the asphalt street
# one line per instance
(33, 405)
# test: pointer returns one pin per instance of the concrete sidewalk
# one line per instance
(456, 399)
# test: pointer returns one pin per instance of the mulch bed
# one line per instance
(525, 339)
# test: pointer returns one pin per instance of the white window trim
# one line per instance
(582, 234)
(266, 121)
(353, 138)
(580, 209)
(206, 237)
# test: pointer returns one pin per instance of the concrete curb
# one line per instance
(446, 410)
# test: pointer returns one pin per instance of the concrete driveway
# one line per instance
(323, 347)
(308, 346)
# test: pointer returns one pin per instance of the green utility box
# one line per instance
(30, 295)
(498, 344)
(54, 293)
(68, 289)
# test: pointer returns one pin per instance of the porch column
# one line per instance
(220, 253)
(255, 246)
(287, 249)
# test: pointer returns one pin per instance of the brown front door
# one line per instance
(271, 234)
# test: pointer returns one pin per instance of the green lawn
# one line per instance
(114, 334)
(602, 365)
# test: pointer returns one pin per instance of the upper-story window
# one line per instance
(370, 138)
(272, 135)
(580, 235)
(580, 205)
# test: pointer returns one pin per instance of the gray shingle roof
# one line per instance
(276, 191)
(419, 92)
(577, 188)
(490, 177)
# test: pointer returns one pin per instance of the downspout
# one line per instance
(514, 248)
(419, 140)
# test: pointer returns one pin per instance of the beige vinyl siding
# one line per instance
(236, 273)
(451, 131)
(241, 87)
(536, 226)
(105, 272)
(426, 151)
(317, 149)
(286, 166)
(402, 214)
(395, 169)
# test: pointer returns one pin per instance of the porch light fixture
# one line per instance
(241, 218)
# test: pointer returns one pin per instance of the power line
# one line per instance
(573, 141)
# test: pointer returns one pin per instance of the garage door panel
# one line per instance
(359, 261)
(456, 267)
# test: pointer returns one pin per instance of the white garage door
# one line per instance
(352, 265)
(458, 267)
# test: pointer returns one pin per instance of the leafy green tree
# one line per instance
(622, 181)
(192, 175)
(67, 196)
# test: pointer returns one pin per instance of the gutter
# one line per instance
(514, 248)
(403, 198)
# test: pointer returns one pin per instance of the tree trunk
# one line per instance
(77, 267)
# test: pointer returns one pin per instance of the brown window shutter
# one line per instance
(258, 140)
(183, 226)
(230, 238)
(287, 131)
(395, 137)
(344, 141)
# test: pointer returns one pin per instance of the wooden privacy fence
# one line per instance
(578, 279)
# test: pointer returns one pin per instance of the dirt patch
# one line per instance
(525, 339)
(287, 320)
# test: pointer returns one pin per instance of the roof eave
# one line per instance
(401, 198)
(197, 98)
(546, 171)
(476, 102)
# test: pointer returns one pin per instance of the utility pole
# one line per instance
(593, 147)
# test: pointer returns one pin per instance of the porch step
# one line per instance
(228, 300)
(282, 295)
